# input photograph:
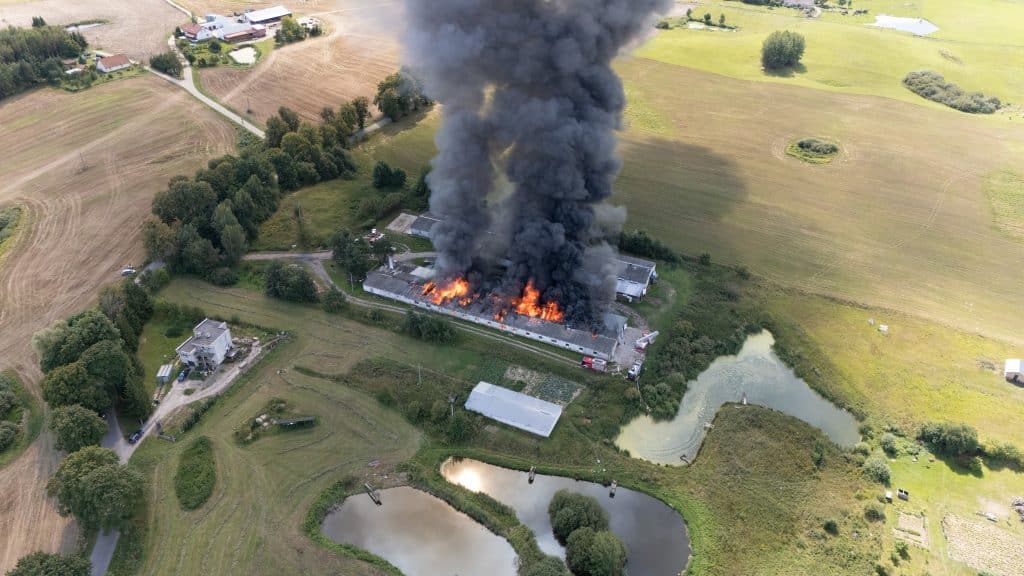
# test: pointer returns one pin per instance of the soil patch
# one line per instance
(983, 545)
(912, 528)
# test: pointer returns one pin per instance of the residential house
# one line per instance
(113, 63)
(208, 345)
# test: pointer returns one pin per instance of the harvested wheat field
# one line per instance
(86, 178)
(356, 54)
(138, 28)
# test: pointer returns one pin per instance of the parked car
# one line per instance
(128, 271)
(183, 374)
(135, 436)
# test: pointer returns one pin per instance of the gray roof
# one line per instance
(165, 371)
(515, 409)
(268, 14)
(424, 223)
(634, 270)
(207, 331)
(403, 283)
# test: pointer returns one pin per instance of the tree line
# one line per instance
(33, 56)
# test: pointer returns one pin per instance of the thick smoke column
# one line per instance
(527, 89)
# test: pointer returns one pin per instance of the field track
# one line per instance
(86, 178)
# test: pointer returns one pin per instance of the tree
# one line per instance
(950, 439)
(334, 301)
(595, 553)
(107, 362)
(72, 384)
(877, 469)
(157, 238)
(398, 94)
(290, 31)
(351, 253)
(43, 564)
(8, 434)
(215, 46)
(782, 49)
(290, 117)
(707, 18)
(77, 427)
(384, 176)
(96, 489)
(570, 511)
(65, 341)
(721, 20)
(276, 129)
(549, 566)
(168, 63)
(7, 401)
(289, 282)
(186, 201)
(460, 428)
(38, 22)
(232, 240)
(362, 110)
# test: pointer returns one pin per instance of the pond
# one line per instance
(655, 535)
(755, 372)
(420, 534)
(918, 26)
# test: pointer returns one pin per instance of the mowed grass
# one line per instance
(1005, 191)
(978, 46)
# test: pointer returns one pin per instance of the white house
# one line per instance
(113, 63)
(1014, 370)
(209, 344)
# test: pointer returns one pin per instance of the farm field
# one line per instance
(264, 489)
(979, 48)
(356, 53)
(139, 28)
(85, 179)
(919, 372)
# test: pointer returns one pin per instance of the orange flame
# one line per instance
(530, 305)
(457, 289)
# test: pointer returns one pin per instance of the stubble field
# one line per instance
(86, 178)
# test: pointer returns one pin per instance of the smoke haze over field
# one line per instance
(528, 90)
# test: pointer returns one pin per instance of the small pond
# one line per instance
(918, 26)
(655, 535)
(755, 372)
(420, 534)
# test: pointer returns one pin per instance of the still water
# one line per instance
(655, 535)
(757, 372)
(420, 534)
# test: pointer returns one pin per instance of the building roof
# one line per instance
(204, 334)
(191, 29)
(165, 371)
(404, 283)
(266, 14)
(1014, 366)
(515, 409)
(424, 223)
(115, 61)
(635, 270)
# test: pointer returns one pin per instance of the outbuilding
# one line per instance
(1013, 371)
(163, 375)
(268, 15)
(516, 409)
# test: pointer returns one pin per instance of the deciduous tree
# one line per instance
(77, 427)
(44, 564)
(96, 489)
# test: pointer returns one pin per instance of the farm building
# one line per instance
(515, 409)
(634, 275)
(405, 283)
(113, 63)
(208, 345)
(267, 15)
(228, 29)
(1013, 370)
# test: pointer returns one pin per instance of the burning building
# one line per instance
(529, 99)
(527, 315)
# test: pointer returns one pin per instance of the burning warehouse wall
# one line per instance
(526, 316)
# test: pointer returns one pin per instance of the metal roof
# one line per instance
(514, 408)
(268, 14)
(634, 270)
(165, 371)
(1013, 366)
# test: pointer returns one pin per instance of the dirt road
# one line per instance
(86, 178)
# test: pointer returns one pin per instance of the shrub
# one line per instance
(782, 50)
(197, 474)
(877, 469)
(428, 328)
(8, 434)
(223, 277)
(817, 147)
(167, 63)
(874, 511)
(640, 243)
(7, 401)
(862, 448)
(975, 465)
(831, 527)
(570, 511)
(289, 282)
(889, 443)
(705, 259)
(950, 439)
(933, 86)
(903, 550)
(384, 176)
(334, 301)
(595, 553)
(1004, 453)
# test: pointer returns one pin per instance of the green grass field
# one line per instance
(756, 464)
(978, 46)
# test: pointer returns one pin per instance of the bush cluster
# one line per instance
(581, 524)
(640, 243)
(817, 147)
(428, 327)
(196, 475)
(33, 56)
(289, 282)
(782, 49)
(168, 63)
(933, 86)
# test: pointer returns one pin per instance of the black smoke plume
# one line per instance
(527, 91)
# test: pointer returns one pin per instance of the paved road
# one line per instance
(188, 83)
(103, 550)
(324, 255)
